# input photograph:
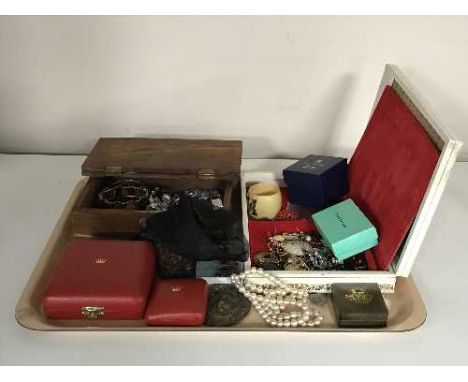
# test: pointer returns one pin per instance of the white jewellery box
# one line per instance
(397, 173)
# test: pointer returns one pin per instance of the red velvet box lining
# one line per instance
(390, 172)
(259, 230)
(388, 177)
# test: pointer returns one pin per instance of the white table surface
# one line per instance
(33, 191)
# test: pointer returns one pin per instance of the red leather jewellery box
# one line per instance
(105, 279)
(178, 302)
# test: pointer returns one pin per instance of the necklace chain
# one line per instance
(278, 303)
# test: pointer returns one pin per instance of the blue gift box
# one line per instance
(317, 180)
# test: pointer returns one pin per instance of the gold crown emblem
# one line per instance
(359, 296)
(176, 288)
(101, 260)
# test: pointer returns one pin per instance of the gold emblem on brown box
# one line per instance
(101, 260)
(176, 288)
(359, 296)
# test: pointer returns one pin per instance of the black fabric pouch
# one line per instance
(196, 231)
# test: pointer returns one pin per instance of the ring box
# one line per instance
(177, 302)
(345, 229)
(359, 305)
(317, 180)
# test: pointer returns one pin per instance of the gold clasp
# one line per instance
(92, 312)
(206, 174)
(114, 170)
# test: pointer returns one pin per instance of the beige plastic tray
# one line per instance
(406, 308)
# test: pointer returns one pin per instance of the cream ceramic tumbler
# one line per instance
(264, 200)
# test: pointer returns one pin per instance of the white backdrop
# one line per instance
(287, 86)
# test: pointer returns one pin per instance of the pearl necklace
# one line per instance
(278, 303)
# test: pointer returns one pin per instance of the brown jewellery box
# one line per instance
(175, 164)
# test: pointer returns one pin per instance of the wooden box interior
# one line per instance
(89, 218)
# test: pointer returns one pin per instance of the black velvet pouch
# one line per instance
(223, 228)
(196, 230)
(178, 230)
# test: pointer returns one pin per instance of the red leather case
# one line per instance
(115, 275)
(177, 302)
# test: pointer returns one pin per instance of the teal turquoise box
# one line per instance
(345, 229)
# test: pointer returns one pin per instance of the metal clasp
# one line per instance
(206, 174)
(92, 312)
(114, 170)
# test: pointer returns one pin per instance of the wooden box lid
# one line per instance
(131, 156)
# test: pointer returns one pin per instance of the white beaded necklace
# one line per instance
(278, 303)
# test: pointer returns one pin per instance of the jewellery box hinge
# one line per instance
(113, 170)
(206, 174)
(92, 312)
